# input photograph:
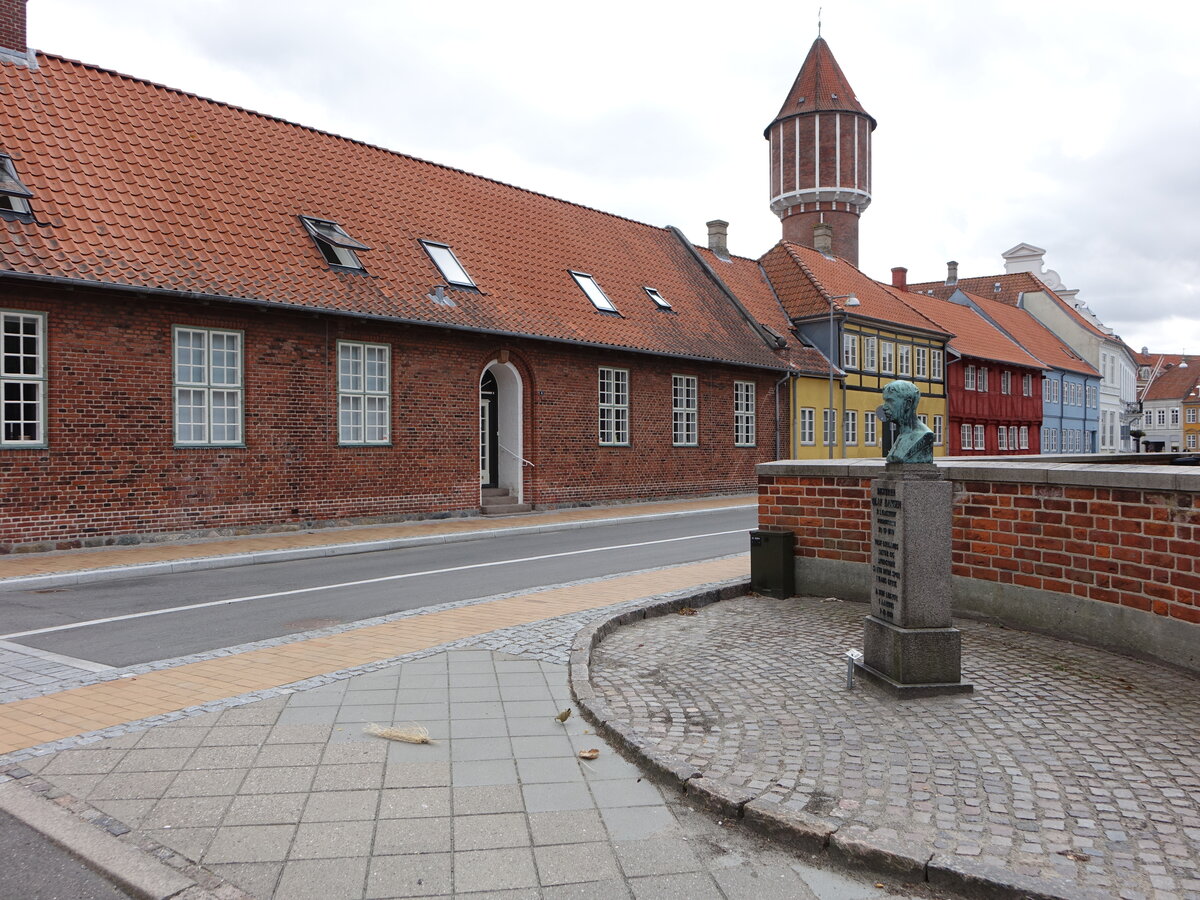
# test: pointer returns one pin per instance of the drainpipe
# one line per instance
(787, 377)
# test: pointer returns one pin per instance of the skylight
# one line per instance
(592, 289)
(335, 245)
(659, 300)
(443, 257)
(14, 196)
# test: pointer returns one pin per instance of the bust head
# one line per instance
(900, 402)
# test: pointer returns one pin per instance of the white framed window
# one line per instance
(1054, 391)
(452, 270)
(14, 196)
(1012, 437)
(829, 427)
(1051, 439)
(850, 427)
(981, 382)
(968, 378)
(906, 360)
(887, 357)
(743, 414)
(335, 244)
(965, 438)
(1027, 385)
(208, 387)
(659, 300)
(923, 419)
(939, 429)
(1191, 440)
(922, 369)
(684, 409)
(1190, 415)
(870, 353)
(850, 351)
(808, 425)
(937, 367)
(614, 407)
(22, 379)
(1091, 396)
(1001, 438)
(592, 290)
(870, 429)
(1006, 382)
(1024, 437)
(1175, 415)
(1161, 415)
(1046, 390)
(980, 438)
(364, 393)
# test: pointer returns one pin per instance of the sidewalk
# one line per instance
(248, 774)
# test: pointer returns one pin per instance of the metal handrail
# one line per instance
(523, 460)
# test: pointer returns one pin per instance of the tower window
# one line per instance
(334, 243)
(589, 286)
(452, 270)
(14, 196)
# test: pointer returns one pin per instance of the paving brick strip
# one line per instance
(1069, 773)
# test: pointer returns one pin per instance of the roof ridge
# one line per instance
(341, 137)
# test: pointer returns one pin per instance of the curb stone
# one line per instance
(849, 846)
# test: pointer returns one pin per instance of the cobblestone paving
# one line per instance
(1067, 764)
(287, 799)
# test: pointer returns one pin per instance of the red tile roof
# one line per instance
(1010, 287)
(1173, 383)
(820, 85)
(1036, 338)
(973, 334)
(807, 280)
(141, 185)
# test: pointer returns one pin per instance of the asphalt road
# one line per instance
(248, 603)
(35, 868)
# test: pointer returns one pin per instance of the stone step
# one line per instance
(494, 492)
(506, 509)
(498, 500)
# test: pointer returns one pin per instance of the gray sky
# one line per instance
(1075, 127)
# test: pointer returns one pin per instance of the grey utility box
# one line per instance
(772, 568)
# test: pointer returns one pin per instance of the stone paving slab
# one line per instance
(333, 812)
(1070, 772)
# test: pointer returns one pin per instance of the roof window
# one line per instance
(335, 245)
(443, 257)
(659, 300)
(589, 286)
(14, 196)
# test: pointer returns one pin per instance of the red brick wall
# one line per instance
(1133, 547)
(112, 468)
(12, 25)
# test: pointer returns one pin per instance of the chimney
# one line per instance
(718, 237)
(14, 45)
(900, 277)
(823, 238)
(952, 272)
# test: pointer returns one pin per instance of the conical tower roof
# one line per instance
(820, 86)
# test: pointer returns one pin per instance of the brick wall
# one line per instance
(12, 25)
(112, 469)
(1137, 547)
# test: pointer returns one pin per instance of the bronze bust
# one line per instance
(914, 440)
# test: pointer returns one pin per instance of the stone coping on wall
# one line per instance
(1022, 470)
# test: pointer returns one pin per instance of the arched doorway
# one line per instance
(501, 452)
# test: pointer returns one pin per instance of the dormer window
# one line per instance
(14, 196)
(335, 245)
(659, 300)
(589, 286)
(452, 270)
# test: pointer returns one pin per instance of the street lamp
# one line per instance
(851, 300)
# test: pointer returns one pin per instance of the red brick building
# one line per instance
(214, 318)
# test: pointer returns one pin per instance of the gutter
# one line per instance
(167, 293)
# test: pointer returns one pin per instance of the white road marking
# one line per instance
(86, 664)
(346, 584)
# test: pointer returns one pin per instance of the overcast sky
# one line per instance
(1075, 127)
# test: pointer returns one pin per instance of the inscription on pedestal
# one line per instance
(887, 584)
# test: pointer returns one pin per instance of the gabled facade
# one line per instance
(214, 318)
(874, 336)
(1168, 396)
(993, 385)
